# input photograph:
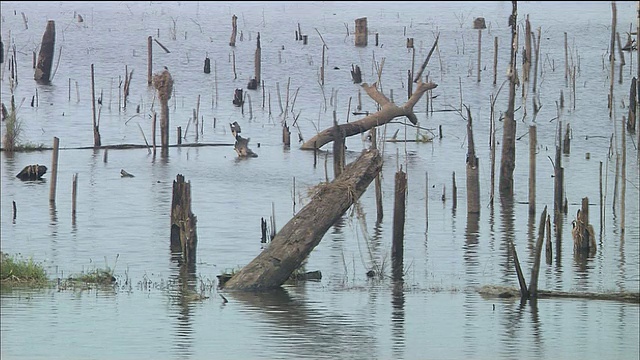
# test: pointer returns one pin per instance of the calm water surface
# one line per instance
(435, 311)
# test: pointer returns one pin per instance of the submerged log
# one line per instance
(388, 111)
(295, 241)
(32, 172)
(491, 291)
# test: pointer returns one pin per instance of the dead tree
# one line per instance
(184, 237)
(584, 237)
(32, 172)
(508, 160)
(45, 57)
(388, 111)
(295, 241)
(163, 83)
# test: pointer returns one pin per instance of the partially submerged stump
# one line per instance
(242, 145)
(295, 241)
(184, 237)
(584, 237)
(32, 172)
(163, 83)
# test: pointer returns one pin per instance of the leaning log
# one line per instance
(295, 241)
(388, 111)
(45, 58)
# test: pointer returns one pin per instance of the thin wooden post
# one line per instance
(533, 284)
(149, 60)
(96, 131)
(479, 53)
(153, 132)
(454, 192)
(426, 200)
(74, 194)
(54, 170)
(234, 31)
(524, 291)
(533, 144)
(377, 180)
(495, 59)
(473, 172)
(397, 245)
(548, 249)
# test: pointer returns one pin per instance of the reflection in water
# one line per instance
(297, 330)
(397, 318)
(538, 347)
(470, 257)
(508, 219)
(184, 293)
(53, 213)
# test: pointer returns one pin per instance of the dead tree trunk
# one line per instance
(234, 31)
(362, 33)
(584, 237)
(473, 173)
(184, 237)
(508, 160)
(163, 83)
(295, 241)
(388, 111)
(45, 57)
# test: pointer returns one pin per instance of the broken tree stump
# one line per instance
(45, 58)
(184, 237)
(32, 172)
(242, 145)
(163, 83)
(388, 111)
(362, 33)
(295, 241)
(584, 237)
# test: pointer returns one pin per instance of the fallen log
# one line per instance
(492, 291)
(295, 241)
(388, 111)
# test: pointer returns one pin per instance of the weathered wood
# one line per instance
(32, 172)
(362, 33)
(524, 291)
(295, 241)
(508, 159)
(388, 111)
(508, 292)
(45, 58)
(163, 83)
(472, 170)
(584, 237)
(631, 120)
(533, 284)
(242, 145)
(184, 237)
(96, 130)
(149, 60)
(397, 244)
(234, 30)
(533, 144)
(54, 169)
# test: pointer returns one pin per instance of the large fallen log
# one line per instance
(388, 111)
(295, 241)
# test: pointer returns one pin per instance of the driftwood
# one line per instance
(295, 241)
(491, 291)
(32, 172)
(388, 111)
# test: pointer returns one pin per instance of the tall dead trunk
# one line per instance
(508, 161)
(163, 83)
(45, 57)
(184, 237)
(388, 111)
(295, 241)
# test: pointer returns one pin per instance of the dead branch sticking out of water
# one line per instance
(388, 111)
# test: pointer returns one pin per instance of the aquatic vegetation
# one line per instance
(16, 271)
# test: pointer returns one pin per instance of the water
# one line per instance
(436, 311)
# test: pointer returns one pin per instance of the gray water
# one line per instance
(435, 312)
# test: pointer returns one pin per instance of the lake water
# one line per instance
(435, 311)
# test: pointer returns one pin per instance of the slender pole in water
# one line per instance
(54, 170)
(623, 179)
(149, 60)
(74, 195)
(495, 59)
(533, 139)
(426, 199)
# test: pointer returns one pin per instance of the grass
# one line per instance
(96, 276)
(16, 271)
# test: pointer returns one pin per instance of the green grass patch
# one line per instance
(16, 271)
(96, 276)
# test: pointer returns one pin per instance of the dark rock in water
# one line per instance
(32, 172)
(311, 275)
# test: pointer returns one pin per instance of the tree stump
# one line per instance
(32, 172)
(45, 58)
(184, 237)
